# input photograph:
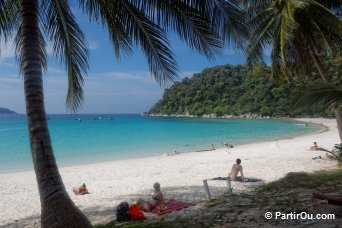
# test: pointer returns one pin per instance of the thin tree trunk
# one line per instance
(319, 66)
(338, 114)
(57, 209)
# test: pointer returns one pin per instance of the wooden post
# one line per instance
(229, 185)
(206, 188)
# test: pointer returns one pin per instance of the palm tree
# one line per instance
(321, 97)
(201, 24)
(303, 34)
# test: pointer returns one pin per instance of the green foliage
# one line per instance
(301, 35)
(317, 180)
(234, 90)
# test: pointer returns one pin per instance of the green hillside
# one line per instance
(232, 90)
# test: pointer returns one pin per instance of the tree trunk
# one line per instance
(338, 114)
(337, 110)
(319, 66)
(57, 209)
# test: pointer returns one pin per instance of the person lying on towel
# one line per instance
(81, 190)
(156, 203)
(236, 169)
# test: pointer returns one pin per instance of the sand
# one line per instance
(181, 176)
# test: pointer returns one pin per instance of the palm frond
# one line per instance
(189, 19)
(277, 73)
(326, 26)
(320, 96)
(9, 18)
(129, 25)
(152, 40)
(201, 24)
(332, 5)
(235, 27)
(260, 38)
(18, 41)
(117, 34)
(69, 45)
(303, 36)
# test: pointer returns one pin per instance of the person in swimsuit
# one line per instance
(81, 190)
(314, 146)
(155, 203)
(236, 168)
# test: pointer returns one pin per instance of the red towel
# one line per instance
(173, 205)
(135, 212)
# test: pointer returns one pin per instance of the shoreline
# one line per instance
(190, 150)
(180, 176)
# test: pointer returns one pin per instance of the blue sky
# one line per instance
(112, 85)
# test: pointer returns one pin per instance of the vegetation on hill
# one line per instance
(6, 111)
(234, 90)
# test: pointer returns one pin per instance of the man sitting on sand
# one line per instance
(314, 146)
(235, 171)
(80, 190)
(156, 203)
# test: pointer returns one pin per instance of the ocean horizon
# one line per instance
(90, 138)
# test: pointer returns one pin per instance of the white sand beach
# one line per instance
(180, 176)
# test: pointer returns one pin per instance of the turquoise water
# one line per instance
(130, 136)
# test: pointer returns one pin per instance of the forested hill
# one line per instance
(6, 111)
(231, 90)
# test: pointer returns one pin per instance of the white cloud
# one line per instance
(142, 76)
(7, 50)
(107, 92)
(93, 45)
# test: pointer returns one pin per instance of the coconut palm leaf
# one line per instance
(201, 24)
(333, 5)
(69, 45)
(321, 96)
(145, 23)
(9, 18)
(191, 20)
(309, 32)
(18, 41)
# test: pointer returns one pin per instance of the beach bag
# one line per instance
(122, 214)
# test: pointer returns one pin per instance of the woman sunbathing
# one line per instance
(80, 190)
(156, 203)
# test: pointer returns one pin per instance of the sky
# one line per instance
(112, 85)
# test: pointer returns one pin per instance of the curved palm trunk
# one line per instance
(338, 114)
(337, 110)
(57, 208)
(319, 66)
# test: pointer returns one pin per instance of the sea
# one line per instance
(83, 139)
